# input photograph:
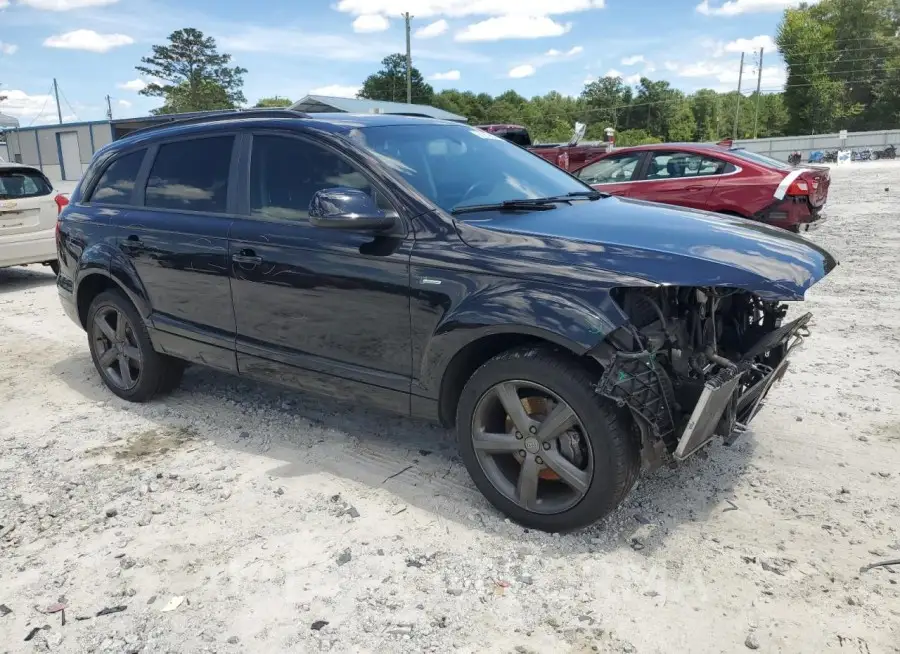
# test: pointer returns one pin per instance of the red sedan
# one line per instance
(714, 178)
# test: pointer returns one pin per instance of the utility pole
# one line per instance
(58, 108)
(737, 113)
(758, 87)
(408, 62)
(108, 108)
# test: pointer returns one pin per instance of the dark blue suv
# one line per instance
(435, 270)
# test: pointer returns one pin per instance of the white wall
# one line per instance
(781, 147)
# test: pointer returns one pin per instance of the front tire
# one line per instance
(540, 444)
(123, 353)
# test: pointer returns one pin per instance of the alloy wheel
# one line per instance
(116, 347)
(532, 446)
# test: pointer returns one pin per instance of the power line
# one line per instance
(44, 106)
(68, 104)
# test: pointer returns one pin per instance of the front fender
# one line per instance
(574, 319)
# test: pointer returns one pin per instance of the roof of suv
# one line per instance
(329, 122)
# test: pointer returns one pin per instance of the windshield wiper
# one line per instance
(533, 204)
(537, 204)
(588, 195)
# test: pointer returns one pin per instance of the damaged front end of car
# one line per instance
(694, 363)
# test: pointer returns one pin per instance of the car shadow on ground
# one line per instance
(19, 278)
(414, 460)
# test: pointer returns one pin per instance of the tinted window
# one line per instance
(674, 165)
(191, 175)
(611, 170)
(22, 183)
(285, 173)
(458, 165)
(117, 181)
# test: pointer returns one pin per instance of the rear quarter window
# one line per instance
(117, 182)
(23, 183)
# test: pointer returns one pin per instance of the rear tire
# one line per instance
(606, 459)
(123, 353)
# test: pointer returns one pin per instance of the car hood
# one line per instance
(658, 243)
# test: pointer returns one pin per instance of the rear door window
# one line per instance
(676, 165)
(22, 183)
(116, 184)
(191, 175)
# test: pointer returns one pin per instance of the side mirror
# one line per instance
(347, 208)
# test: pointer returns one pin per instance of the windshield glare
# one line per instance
(456, 166)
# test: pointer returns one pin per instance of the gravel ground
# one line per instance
(236, 517)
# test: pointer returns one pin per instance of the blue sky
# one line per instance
(295, 47)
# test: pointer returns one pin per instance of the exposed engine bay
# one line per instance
(694, 363)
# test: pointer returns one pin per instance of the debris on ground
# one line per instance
(173, 604)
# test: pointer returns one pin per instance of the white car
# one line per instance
(29, 207)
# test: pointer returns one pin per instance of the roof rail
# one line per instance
(227, 114)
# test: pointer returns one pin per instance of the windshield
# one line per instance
(456, 166)
(22, 183)
(755, 157)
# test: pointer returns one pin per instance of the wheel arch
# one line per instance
(479, 351)
(96, 282)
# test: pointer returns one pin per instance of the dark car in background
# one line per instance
(721, 179)
(568, 156)
(434, 270)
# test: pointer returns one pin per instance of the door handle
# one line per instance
(246, 257)
(693, 188)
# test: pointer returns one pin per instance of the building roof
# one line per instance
(328, 104)
(8, 121)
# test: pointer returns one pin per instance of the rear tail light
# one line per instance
(61, 201)
(798, 187)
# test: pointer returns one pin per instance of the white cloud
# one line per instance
(124, 103)
(461, 8)
(724, 76)
(633, 60)
(288, 42)
(590, 79)
(370, 23)
(432, 30)
(336, 91)
(632, 80)
(513, 27)
(525, 70)
(612, 72)
(87, 40)
(736, 7)
(450, 75)
(8, 48)
(28, 108)
(749, 45)
(571, 52)
(133, 85)
(65, 5)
